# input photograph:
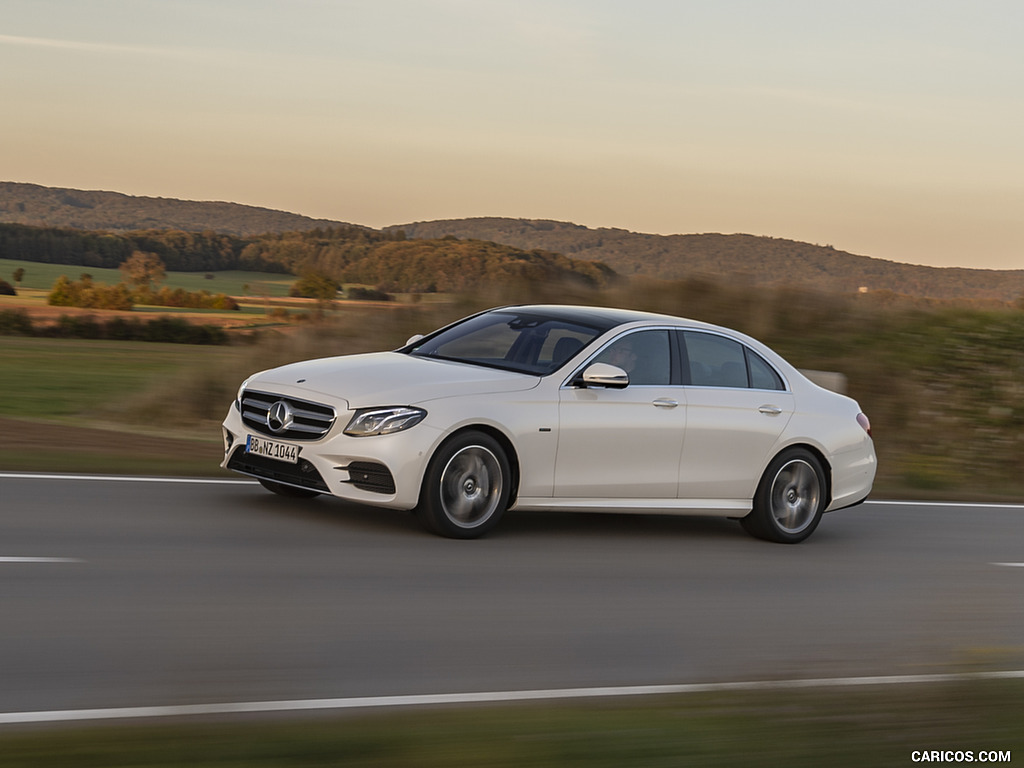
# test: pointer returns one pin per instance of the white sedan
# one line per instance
(559, 408)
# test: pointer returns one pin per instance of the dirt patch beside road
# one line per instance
(46, 447)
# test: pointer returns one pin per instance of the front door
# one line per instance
(623, 443)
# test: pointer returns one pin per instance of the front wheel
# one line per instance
(790, 499)
(466, 488)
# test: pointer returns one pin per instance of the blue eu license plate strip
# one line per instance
(271, 449)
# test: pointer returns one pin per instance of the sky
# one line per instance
(887, 128)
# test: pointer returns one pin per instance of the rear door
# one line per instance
(737, 407)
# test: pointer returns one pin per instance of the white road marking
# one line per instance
(231, 481)
(972, 504)
(425, 700)
(126, 478)
(192, 710)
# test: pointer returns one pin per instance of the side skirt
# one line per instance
(703, 507)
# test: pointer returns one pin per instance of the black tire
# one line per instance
(466, 487)
(290, 491)
(790, 499)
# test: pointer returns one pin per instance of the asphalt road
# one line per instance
(121, 594)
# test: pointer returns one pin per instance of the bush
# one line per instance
(86, 293)
(15, 322)
(164, 329)
(369, 294)
(314, 286)
(179, 297)
(6, 289)
(77, 327)
(178, 331)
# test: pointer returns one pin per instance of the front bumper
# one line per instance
(381, 470)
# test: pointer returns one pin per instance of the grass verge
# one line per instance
(66, 407)
(879, 727)
(30, 446)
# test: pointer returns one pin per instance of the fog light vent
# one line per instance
(370, 476)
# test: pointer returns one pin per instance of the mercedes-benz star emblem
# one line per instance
(280, 417)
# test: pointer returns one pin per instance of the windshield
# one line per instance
(511, 340)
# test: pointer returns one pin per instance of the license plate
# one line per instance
(272, 449)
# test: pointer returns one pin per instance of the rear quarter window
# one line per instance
(762, 375)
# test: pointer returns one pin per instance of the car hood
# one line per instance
(387, 378)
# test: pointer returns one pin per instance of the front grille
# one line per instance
(368, 476)
(303, 473)
(308, 420)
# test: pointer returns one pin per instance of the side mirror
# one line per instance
(414, 338)
(604, 375)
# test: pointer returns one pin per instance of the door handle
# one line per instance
(770, 410)
(665, 402)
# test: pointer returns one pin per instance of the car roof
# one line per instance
(603, 318)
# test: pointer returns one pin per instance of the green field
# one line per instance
(82, 381)
(40, 276)
(77, 405)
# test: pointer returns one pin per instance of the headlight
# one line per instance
(383, 421)
(238, 396)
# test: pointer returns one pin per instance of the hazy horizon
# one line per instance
(884, 130)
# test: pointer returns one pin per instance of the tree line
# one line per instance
(173, 330)
(344, 253)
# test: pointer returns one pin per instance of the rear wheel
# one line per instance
(790, 499)
(466, 488)
(288, 490)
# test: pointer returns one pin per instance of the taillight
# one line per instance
(865, 422)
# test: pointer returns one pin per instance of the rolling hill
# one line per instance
(114, 212)
(754, 260)
(759, 261)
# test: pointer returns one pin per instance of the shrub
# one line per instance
(164, 329)
(76, 327)
(369, 294)
(179, 297)
(6, 289)
(15, 322)
(178, 331)
(86, 293)
(314, 286)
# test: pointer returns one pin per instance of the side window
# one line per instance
(644, 355)
(762, 375)
(715, 361)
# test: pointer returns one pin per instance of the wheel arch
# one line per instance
(502, 440)
(826, 465)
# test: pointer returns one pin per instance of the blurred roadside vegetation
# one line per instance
(746, 729)
(943, 382)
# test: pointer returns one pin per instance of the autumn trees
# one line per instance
(86, 293)
(343, 254)
(141, 273)
(143, 270)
